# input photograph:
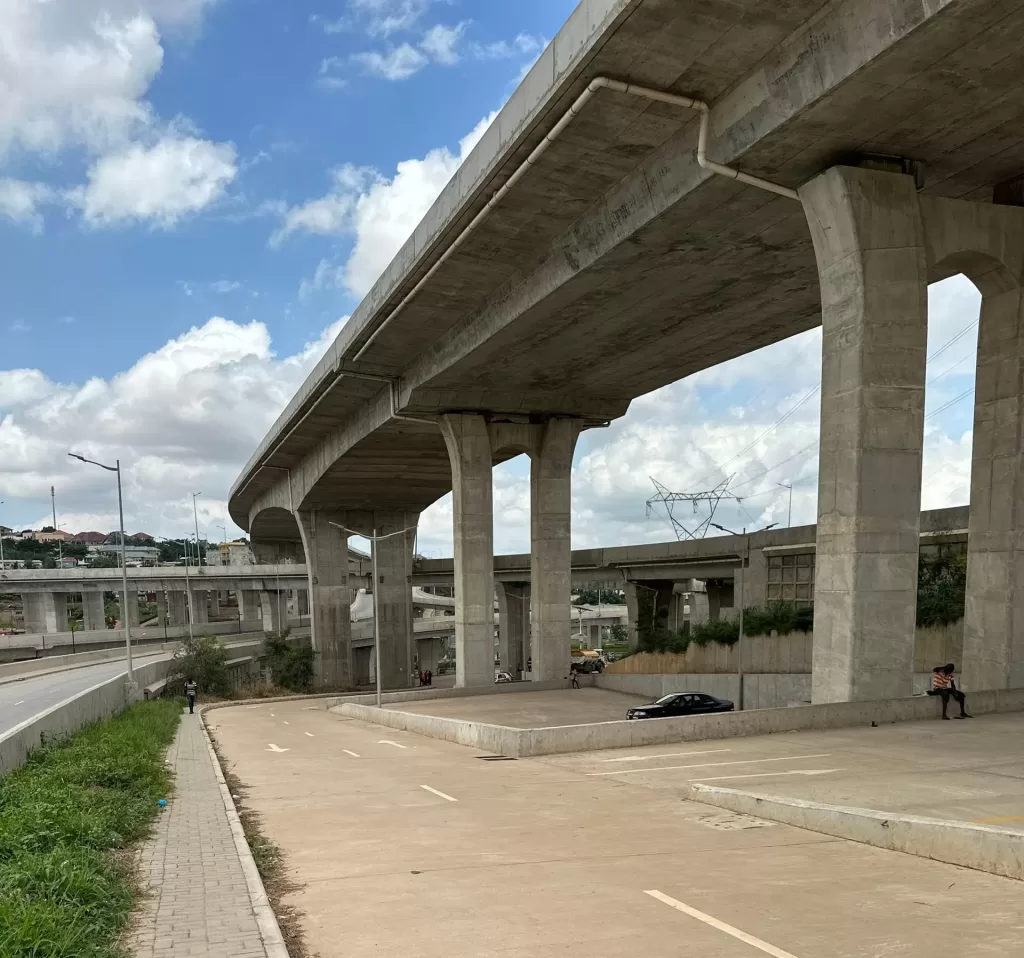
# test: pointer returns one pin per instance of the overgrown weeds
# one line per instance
(66, 888)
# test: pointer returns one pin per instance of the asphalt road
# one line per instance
(21, 700)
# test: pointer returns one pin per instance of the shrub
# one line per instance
(291, 665)
(941, 589)
(203, 659)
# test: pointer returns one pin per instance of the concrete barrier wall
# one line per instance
(48, 643)
(427, 694)
(99, 702)
(761, 691)
(625, 734)
(983, 847)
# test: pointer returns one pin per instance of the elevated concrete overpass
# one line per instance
(585, 225)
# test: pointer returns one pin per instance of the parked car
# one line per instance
(501, 678)
(680, 703)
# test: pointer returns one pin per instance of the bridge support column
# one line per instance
(550, 547)
(130, 608)
(273, 610)
(177, 611)
(45, 611)
(469, 450)
(513, 625)
(302, 601)
(993, 656)
(663, 598)
(197, 607)
(213, 604)
(632, 614)
(394, 599)
(870, 249)
(326, 551)
(249, 605)
(93, 618)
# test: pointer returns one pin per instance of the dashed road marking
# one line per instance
(311, 735)
(276, 748)
(763, 946)
(745, 761)
(798, 771)
(22, 702)
(286, 723)
(347, 752)
(441, 794)
(648, 758)
(385, 741)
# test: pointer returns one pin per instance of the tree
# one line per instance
(291, 666)
(618, 634)
(204, 660)
(590, 596)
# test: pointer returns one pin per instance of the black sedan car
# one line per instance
(680, 703)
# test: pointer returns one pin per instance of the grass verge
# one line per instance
(66, 817)
(270, 864)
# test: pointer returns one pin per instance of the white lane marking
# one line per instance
(798, 771)
(272, 715)
(385, 741)
(311, 735)
(275, 748)
(347, 752)
(441, 794)
(286, 723)
(22, 702)
(746, 761)
(254, 706)
(720, 925)
(648, 758)
(311, 708)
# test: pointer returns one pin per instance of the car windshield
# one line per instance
(667, 699)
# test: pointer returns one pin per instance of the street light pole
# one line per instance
(789, 486)
(2, 566)
(60, 545)
(738, 588)
(195, 515)
(124, 562)
(374, 539)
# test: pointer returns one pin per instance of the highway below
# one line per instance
(23, 699)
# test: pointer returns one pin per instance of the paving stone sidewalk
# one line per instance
(198, 904)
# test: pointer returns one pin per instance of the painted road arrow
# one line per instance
(275, 748)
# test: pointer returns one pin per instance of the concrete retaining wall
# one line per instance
(761, 691)
(99, 702)
(427, 694)
(625, 734)
(986, 848)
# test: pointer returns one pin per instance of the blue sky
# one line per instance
(194, 194)
(247, 73)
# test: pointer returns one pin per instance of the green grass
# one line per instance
(64, 816)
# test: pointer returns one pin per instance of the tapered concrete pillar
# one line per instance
(994, 616)
(273, 611)
(469, 451)
(632, 614)
(132, 607)
(663, 597)
(869, 245)
(93, 617)
(330, 599)
(45, 611)
(198, 608)
(551, 548)
(177, 608)
(513, 625)
(249, 605)
(213, 603)
(394, 598)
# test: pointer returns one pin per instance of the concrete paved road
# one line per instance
(404, 845)
(969, 771)
(21, 700)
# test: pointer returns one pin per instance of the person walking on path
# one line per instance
(943, 684)
(190, 694)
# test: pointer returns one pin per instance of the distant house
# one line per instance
(5, 531)
(141, 537)
(58, 535)
(90, 538)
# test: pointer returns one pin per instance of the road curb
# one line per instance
(266, 920)
(998, 851)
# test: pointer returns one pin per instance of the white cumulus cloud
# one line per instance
(378, 212)
(20, 201)
(182, 418)
(160, 183)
